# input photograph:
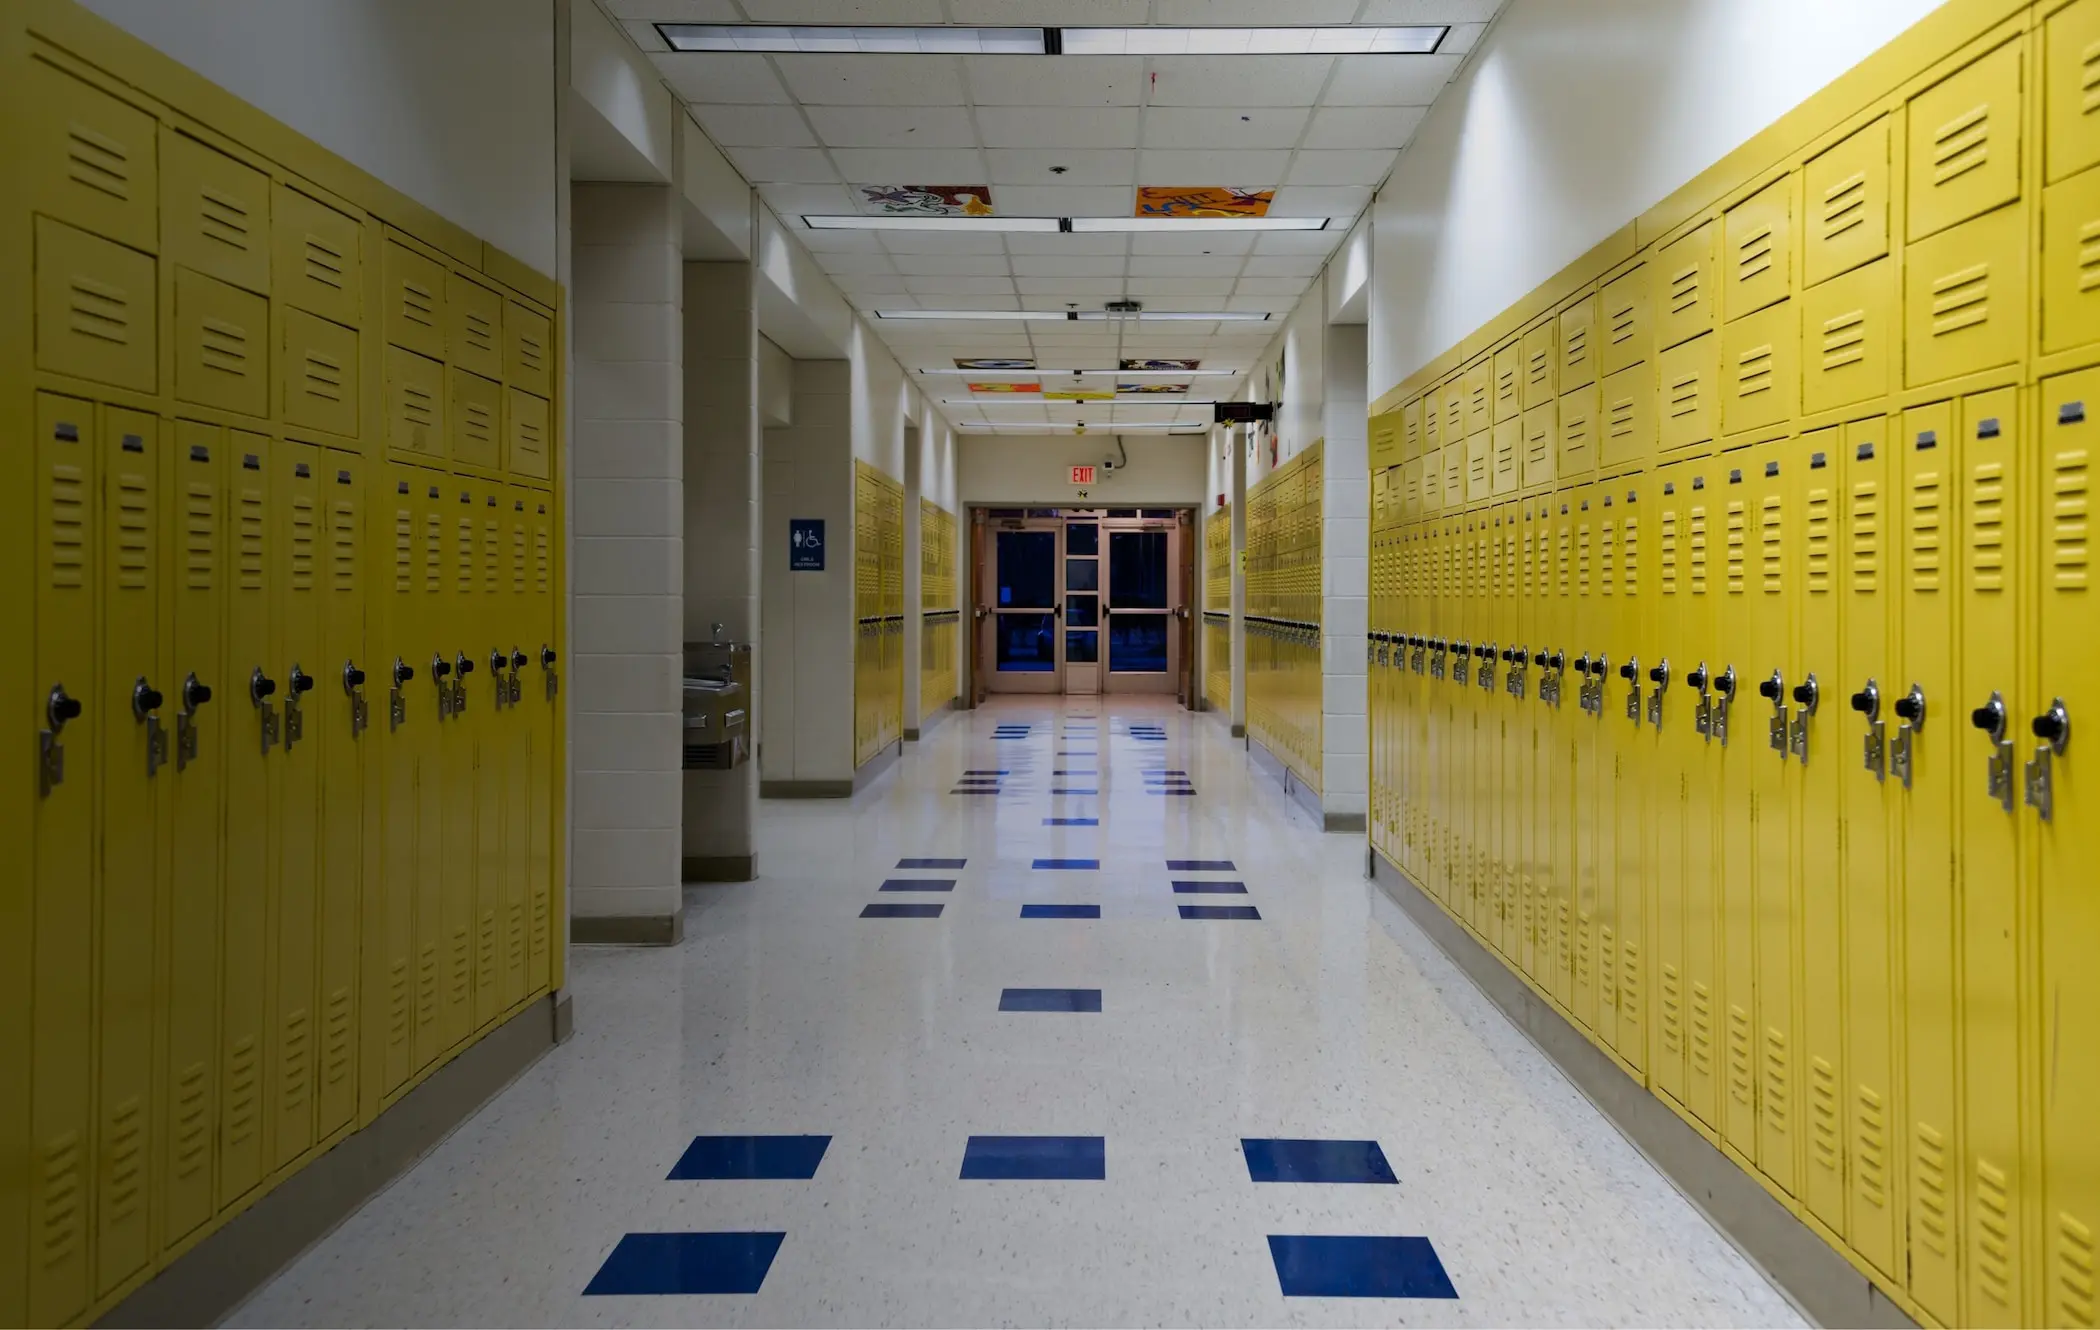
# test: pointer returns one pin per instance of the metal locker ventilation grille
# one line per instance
(1844, 340)
(1962, 145)
(1844, 206)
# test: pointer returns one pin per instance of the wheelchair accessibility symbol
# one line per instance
(806, 544)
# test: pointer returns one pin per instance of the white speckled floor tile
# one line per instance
(783, 1011)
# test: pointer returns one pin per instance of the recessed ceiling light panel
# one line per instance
(774, 38)
(1078, 316)
(906, 222)
(1152, 225)
(1252, 41)
(901, 39)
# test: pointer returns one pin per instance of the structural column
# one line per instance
(627, 575)
(1345, 582)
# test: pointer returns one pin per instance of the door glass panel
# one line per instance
(1137, 644)
(1137, 570)
(1082, 538)
(1082, 648)
(1027, 569)
(1083, 611)
(1027, 643)
(1082, 574)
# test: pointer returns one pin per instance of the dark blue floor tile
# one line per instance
(1050, 999)
(1271, 1159)
(1087, 753)
(1199, 887)
(752, 1157)
(1171, 790)
(1060, 912)
(1220, 912)
(946, 863)
(1071, 821)
(980, 780)
(975, 789)
(1066, 791)
(1328, 1267)
(1074, 772)
(1079, 864)
(975, 771)
(690, 1263)
(1076, 1158)
(923, 884)
(1194, 866)
(902, 910)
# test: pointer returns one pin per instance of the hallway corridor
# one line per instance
(1221, 1042)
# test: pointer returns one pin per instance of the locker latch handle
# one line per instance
(302, 683)
(59, 707)
(497, 660)
(261, 688)
(194, 694)
(145, 709)
(396, 702)
(1808, 695)
(1703, 715)
(1990, 718)
(440, 671)
(2053, 728)
(1773, 690)
(517, 688)
(354, 689)
(1723, 703)
(1874, 749)
(547, 665)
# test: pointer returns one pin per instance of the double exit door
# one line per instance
(1085, 605)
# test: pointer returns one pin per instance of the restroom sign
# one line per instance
(806, 544)
(1082, 475)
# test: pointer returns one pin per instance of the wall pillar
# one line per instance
(1345, 582)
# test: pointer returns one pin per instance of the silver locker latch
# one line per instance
(1462, 664)
(497, 660)
(1660, 677)
(440, 672)
(547, 667)
(517, 686)
(2053, 728)
(1808, 695)
(1910, 709)
(462, 666)
(1990, 718)
(1773, 690)
(354, 689)
(260, 689)
(145, 709)
(194, 694)
(59, 707)
(1724, 702)
(1703, 714)
(396, 701)
(294, 707)
(1874, 750)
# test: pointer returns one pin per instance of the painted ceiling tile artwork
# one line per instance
(993, 363)
(1151, 389)
(1006, 387)
(1079, 397)
(1159, 366)
(929, 200)
(1202, 201)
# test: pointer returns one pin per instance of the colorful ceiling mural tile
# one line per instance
(1151, 389)
(1079, 397)
(929, 200)
(1202, 201)
(1155, 366)
(993, 363)
(1006, 387)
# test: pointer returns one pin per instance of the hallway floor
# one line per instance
(1077, 1079)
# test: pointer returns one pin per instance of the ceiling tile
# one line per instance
(1175, 167)
(1337, 201)
(1195, 243)
(1299, 242)
(960, 265)
(708, 76)
(869, 283)
(838, 262)
(911, 166)
(1341, 167)
(1364, 126)
(1225, 266)
(1032, 166)
(1263, 304)
(675, 11)
(1066, 244)
(1064, 200)
(840, 242)
(791, 201)
(873, 80)
(1430, 11)
(1254, 12)
(1306, 266)
(894, 126)
(755, 126)
(1072, 80)
(646, 36)
(787, 166)
(1462, 38)
(943, 242)
(1271, 286)
(1066, 127)
(961, 300)
(1240, 80)
(1069, 265)
(1224, 127)
(844, 11)
(1389, 80)
(1143, 285)
(1086, 288)
(1050, 13)
(955, 284)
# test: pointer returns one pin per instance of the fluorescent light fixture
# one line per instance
(987, 314)
(1168, 400)
(907, 222)
(1148, 225)
(1012, 375)
(1082, 315)
(1056, 427)
(1252, 41)
(777, 38)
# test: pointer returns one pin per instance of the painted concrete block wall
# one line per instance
(805, 648)
(627, 578)
(1020, 469)
(1345, 550)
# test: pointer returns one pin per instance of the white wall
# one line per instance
(1036, 469)
(1567, 123)
(625, 122)
(368, 79)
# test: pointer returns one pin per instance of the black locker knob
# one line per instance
(61, 707)
(546, 657)
(1726, 683)
(1559, 659)
(1990, 717)
(465, 664)
(145, 698)
(2052, 726)
(1911, 706)
(353, 677)
(496, 661)
(1769, 690)
(1867, 700)
(302, 682)
(1582, 665)
(194, 693)
(403, 672)
(439, 667)
(1696, 679)
(1626, 672)
(517, 660)
(261, 686)
(1806, 692)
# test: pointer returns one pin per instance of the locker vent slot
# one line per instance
(433, 554)
(192, 1125)
(224, 218)
(2069, 534)
(1621, 421)
(404, 552)
(249, 550)
(1541, 366)
(1777, 1104)
(1774, 552)
(543, 560)
(1506, 383)
(1844, 206)
(418, 304)
(1929, 1178)
(398, 1006)
(1737, 534)
(1629, 984)
(1629, 547)
(418, 406)
(2089, 256)
(294, 1048)
(492, 557)
(1702, 1050)
(531, 354)
(1684, 289)
(240, 1092)
(1961, 299)
(60, 1198)
(1753, 371)
(1866, 537)
(68, 527)
(302, 542)
(134, 531)
(1925, 535)
(1870, 1143)
(335, 1058)
(2074, 1271)
(1844, 340)
(322, 376)
(324, 263)
(98, 162)
(461, 971)
(479, 422)
(1753, 255)
(1993, 1233)
(1669, 552)
(427, 985)
(1826, 1138)
(1962, 145)
(99, 310)
(1742, 1076)
(517, 561)
(466, 555)
(2089, 78)
(1620, 320)
(200, 527)
(224, 347)
(342, 543)
(127, 1159)
(1577, 346)
(1684, 396)
(1987, 527)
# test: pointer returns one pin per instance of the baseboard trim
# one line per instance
(627, 930)
(1353, 823)
(805, 789)
(871, 770)
(719, 867)
(209, 1282)
(1820, 1282)
(1239, 731)
(1308, 798)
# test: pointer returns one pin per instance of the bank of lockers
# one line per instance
(939, 619)
(1743, 726)
(1282, 621)
(1217, 609)
(285, 720)
(878, 608)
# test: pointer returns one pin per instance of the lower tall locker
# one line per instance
(541, 700)
(456, 631)
(1686, 713)
(394, 1001)
(1776, 474)
(1803, 745)
(482, 680)
(508, 645)
(1620, 770)
(430, 707)
(294, 914)
(339, 711)
(1733, 744)
(1642, 675)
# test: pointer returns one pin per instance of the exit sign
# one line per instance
(1082, 475)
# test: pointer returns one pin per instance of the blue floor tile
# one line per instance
(1334, 1267)
(902, 910)
(1065, 791)
(1071, 821)
(1060, 912)
(689, 1263)
(1219, 912)
(1075, 1158)
(1050, 999)
(1074, 772)
(1171, 790)
(1199, 887)
(920, 884)
(1079, 864)
(946, 863)
(975, 789)
(758, 1158)
(1193, 866)
(1276, 1160)
(986, 771)
(1088, 753)
(980, 780)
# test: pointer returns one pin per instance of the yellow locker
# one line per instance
(1480, 466)
(95, 309)
(1734, 731)
(508, 638)
(1540, 445)
(473, 327)
(1454, 394)
(1629, 417)
(528, 349)
(215, 214)
(337, 718)
(401, 733)
(1616, 546)
(1576, 911)
(1688, 394)
(1629, 320)
(1759, 236)
(2071, 262)
(1541, 353)
(1509, 380)
(1455, 457)
(476, 412)
(1847, 204)
(133, 751)
(1507, 455)
(1618, 759)
(1579, 430)
(1433, 421)
(1685, 294)
(1432, 481)
(456, 642)
(1411, 426)
(1965, 298)
(528, 439)
(2068, 921)
(1631, 680)
(432, 618)
(414, 287)
(1384, 442)
(199, 709)
(93, 159)
(2071, 114)
(320, 366)
(1964, 133)
(415, 403)
(1479, 390)
(1688, 721)
(1578, 345)
(297, 552)
(491, 856)
(254, 691)
(70, 720)
(1821, 1075)
(1551, 858)
(1926, 756)
(1759, 354)
(222, 345)
(1991, 919)
(318, 258)
(1848, 330)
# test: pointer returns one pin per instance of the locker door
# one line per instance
(1596, 565)
(2069, 923)
(1694, 660)
(1593, 763)
(1991, 536)
(1618, 767)
(1926, 745)
(69, 720)
(130, 695)
(510, 638)
(1533, 798)
(1849, 740)
(491, 892)
(1514, 748)
(338, 718)
(1735, 748)
(1577, 886)
(1779, 477)
(201, 706)
(1558, 872)
(1661, 758)
(297, 552)
(1484, 812)
(398, 664)
(1819, 883)
(430, 710)
(458, 778)
(254, 689)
